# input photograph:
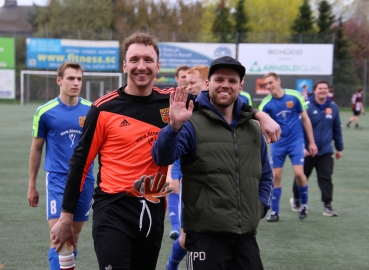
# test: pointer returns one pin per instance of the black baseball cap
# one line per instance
(227, 62)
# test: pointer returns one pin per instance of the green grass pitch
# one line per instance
(317, 242)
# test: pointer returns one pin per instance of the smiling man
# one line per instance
(225, 192)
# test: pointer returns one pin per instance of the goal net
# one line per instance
(40, 86)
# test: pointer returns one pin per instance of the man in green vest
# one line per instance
(227, 178)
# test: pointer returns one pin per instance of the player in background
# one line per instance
(305, 92)
(357, 108)
(121, 128)
(331, 92)
(286, 106)
(245, 96)
(196, 81)
(325, 119)
(58, 123)
(181, 73)
(173, 198)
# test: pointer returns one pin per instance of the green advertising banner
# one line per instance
(7, 52)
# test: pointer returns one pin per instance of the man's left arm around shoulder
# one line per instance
(266, 180)
(270, 128)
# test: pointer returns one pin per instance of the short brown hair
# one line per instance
(360, 89)
(272, 74)
(183, 67)
(319, 82)
(65, 65)
(203, 71)
(141, 38)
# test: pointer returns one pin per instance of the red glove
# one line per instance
(149, 187)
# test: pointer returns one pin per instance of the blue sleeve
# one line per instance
(337, 131)
(266, 181)
(171, 145)
(244, 99)
(176, 170)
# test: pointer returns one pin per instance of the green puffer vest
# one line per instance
(220, 190)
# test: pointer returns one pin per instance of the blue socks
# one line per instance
(304, 196)
(173, 200)
(54, 259)
(277, 192)
(178, 253)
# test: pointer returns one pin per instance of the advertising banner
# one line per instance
(174, 54)
(93, 55)
(7, 83)
(287, 59)
(7, 54)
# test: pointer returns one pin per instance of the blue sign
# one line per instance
(93, 55)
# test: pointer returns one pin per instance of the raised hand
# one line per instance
(178, 112)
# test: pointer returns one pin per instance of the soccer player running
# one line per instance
(58, 123)
(325, 119)
(225, 192)
(286, 106)
(121, 128)
(357, 108)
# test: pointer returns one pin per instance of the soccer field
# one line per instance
(317, 242)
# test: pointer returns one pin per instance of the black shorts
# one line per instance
(127, 235)
(207, 251)
(356, 113)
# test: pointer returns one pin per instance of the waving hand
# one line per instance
(178, 112)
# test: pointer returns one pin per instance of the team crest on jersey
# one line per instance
(328, 110)
(164, 115)
(289, 104)
(82, 120)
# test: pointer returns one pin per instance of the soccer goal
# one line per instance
(40, 86)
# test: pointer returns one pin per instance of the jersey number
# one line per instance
(53, 207)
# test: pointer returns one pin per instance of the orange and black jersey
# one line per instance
(121, 130)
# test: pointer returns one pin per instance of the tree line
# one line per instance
(274, 21)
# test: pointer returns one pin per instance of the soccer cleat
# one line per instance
(358, 127)
(303, 212)
(174, 234)
(329, 212)
(273, 217)
(295, 207)
(348, 124)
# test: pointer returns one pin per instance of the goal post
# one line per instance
(40, 86)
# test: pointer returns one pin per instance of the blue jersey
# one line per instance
(61, 127)
(245, 97)
(286, 112)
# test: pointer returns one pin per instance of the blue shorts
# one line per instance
(55, 184)
(294, 150)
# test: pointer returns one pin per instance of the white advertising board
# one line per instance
(287, 59)
(7, 83)
(174, 54)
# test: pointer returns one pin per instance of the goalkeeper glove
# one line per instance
(149, 187)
